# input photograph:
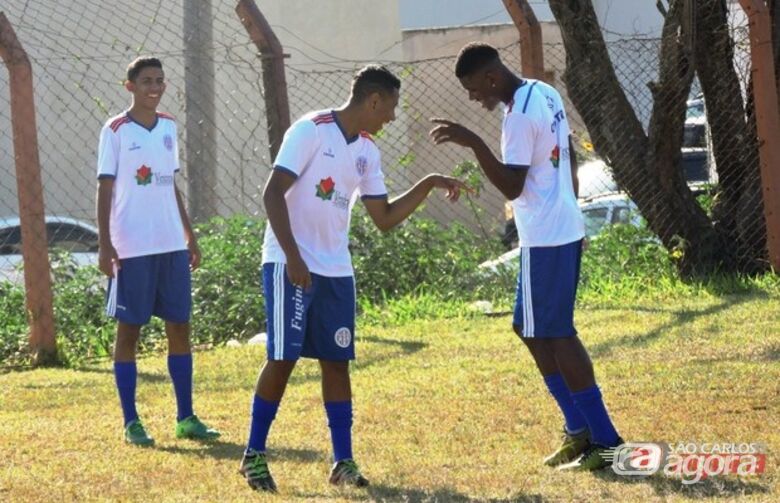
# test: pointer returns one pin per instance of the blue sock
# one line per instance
(126, 376)
(575, 422)
(591, 405)
(263, 414)
(340, 424)
(180, 369)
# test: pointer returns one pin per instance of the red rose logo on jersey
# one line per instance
(555, 156)
(325, 189)
(143, 176)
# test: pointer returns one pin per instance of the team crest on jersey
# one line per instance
(325, 189)
(342, 337)
(143, 175)
(361, 164)
(555, 156)
(168, 142)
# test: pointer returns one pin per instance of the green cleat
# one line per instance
(192, 428)
(254, 468)
(595, 457)
(346, 473)
(135, 434)
(571, 448)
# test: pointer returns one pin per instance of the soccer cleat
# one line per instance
(571, 448)
(594, 458)
(135, 434)
(346, 472)
(254, 468)
(193, 428)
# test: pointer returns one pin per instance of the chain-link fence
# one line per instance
(79, 54)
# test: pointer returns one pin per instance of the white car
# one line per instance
(77, 237)
(598, 212)
(608, 209)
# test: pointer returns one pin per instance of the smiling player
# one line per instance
(147, 246)
(537, 173)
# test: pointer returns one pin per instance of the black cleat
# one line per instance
(347, 473)
(254, 468)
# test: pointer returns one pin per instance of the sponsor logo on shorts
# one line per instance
(297, 320)
(343, 337)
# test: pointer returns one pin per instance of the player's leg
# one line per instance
(554, 277)
(577, 369)
(128, 301)
(286, 314)
(173, 303)
(530, 308)
(330, 338)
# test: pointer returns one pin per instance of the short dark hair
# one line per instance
(473, 57)
(371, 79)
(138, 64)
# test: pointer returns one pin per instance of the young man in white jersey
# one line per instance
(538, 174)
(326, 161)
(147, 246)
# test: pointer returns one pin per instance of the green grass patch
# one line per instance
(448, 407)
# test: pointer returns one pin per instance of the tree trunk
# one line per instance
(738, 209)
(646, 166)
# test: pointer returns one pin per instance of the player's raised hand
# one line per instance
(453, 186)
(450, 131)
(108, 259)
(298, 272)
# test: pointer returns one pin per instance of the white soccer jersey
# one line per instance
(145, 218)
(331, 172)
(535, 133)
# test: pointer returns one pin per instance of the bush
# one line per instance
(418, 256)
(82, 327)
(13, 324)
(226, 290)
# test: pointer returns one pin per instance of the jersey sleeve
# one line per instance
(108, 153)
(519, 134)
(299, 145)
(372, 183)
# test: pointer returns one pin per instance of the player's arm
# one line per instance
(509, 179)
(278, 215)
(387, 214)
(189, 233)
(574, 168)
(107, 256)
(107, 166)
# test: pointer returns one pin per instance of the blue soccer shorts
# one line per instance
(158, 285)
(315, 323)
(546, 290)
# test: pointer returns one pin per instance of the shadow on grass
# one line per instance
(711, 487)
(680, 317)
(232, 451)
(142, 376)
(381, 492)
(406, 347)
